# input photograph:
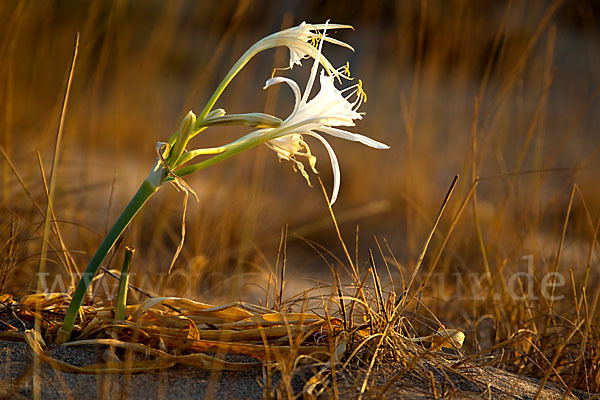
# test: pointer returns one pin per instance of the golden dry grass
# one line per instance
(503, 93)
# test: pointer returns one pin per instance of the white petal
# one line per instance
(355, 137)
(304, 50)
(330, 26)
(315, 67)
(335, 166)
(296, 56)
(291, 83)
(338, 42)
(327, 25)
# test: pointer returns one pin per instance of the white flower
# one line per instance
(329, 108)
(300, 41)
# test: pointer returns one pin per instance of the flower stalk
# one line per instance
(144, 193)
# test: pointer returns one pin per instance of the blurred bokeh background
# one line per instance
(531, 66)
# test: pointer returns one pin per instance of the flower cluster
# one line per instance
(325, 112)
(330, 109)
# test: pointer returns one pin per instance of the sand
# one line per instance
(181, 382)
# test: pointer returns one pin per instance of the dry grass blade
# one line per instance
(424, 251)
(377, 282)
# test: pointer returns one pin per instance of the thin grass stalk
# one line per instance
(10, 263)
(373, 358)
(359, 292)
(437, 221)
(595, 228)
(561, 243)
(276, 301)
(283, 264)
(17, 175)
(332, 348)
(68, 261)
(477, 221)
(377, 283)
(461, 209)
(268, 291)
(55, 158)
(552, 369)
(474, 196)
(576, 301)
(387, 267)
(49, 212)
(124, 284)
(512, 77)
(338, 286)
(339, 234)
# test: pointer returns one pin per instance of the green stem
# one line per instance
(243, 60)
(232, 149)
(145, 191)
(123, 284)
(250, 140)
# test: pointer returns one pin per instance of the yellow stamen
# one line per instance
(361, 92)
(315, 41)
(346, 69)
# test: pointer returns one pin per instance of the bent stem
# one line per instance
(145, 191)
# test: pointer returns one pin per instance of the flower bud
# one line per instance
(187, 126)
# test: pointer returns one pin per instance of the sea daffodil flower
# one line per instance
(300, 42)
(326, 111)
(329, 108)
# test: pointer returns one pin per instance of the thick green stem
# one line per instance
(145, 191)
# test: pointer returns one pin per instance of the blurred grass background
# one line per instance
(532, 65)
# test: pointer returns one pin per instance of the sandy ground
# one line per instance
(388, 379)
(179, 382)
(182, 382)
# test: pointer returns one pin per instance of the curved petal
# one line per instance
(311, 51)
(338, 42)
(296, 57)
(355, 137)
(335, 166)
(291, 83)
(315, 67)
(331, 26)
